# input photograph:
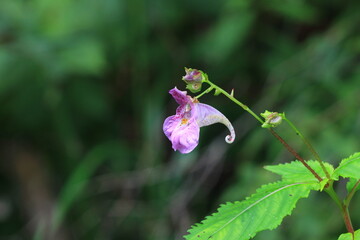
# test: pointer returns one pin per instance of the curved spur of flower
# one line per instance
(183, 128)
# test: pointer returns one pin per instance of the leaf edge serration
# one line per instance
(312, 163)
(195, 231)
(342, 164)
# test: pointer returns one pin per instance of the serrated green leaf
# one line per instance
(351, 183)
(295, 171)
(263, 210)
(349, 167)
(348, 236)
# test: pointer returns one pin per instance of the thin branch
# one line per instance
(351, 193)
(295, 154)
(309, 146)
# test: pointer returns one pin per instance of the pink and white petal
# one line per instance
(180, 97)
(207, 115)
(186, 137)
(186, 111)
(170, 124)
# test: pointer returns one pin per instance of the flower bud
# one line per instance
(194, 79)
(272, 119)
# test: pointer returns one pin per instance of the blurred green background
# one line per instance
(84, 92)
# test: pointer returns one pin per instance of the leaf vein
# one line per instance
(255, 203)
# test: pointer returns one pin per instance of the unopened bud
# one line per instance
(194, 79)
(272, 119)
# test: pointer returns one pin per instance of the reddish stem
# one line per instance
(296, 155)
(347, 220)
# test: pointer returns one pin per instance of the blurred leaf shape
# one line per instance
(227, 35)
(83, 56)
(293, 10)
(80, 178)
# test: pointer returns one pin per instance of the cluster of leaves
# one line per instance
(271, 203)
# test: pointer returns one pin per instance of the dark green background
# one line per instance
(84, 92)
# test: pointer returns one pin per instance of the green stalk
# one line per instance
(351, 194)
(205, 92)
(246, 108)
(308, 145)
(243, 106)
(343, 208)
(330, 191)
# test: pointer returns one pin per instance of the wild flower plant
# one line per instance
(266, 208)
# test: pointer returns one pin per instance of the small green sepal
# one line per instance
(272, 119)
(194, 88)
(217, 92)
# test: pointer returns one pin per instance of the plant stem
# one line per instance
(347, 220)
(330, 190)
(295, 154)
(243, 106)
(246, 108)
(308, 145)
(343, 208)
(329, 187)
(205, 92)
(351, 194)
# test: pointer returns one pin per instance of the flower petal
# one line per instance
(186, 137)
(207, 115)
(183, 136)
(170, 124)
(180, 96)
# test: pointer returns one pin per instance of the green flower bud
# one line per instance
(272, 119)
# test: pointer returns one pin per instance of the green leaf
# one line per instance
(295, 171)
(349, 167)
(348, 236)
(351, 183)
(263, 210)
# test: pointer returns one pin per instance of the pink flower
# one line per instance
(183, 128)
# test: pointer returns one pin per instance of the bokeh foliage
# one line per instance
(83, 87)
